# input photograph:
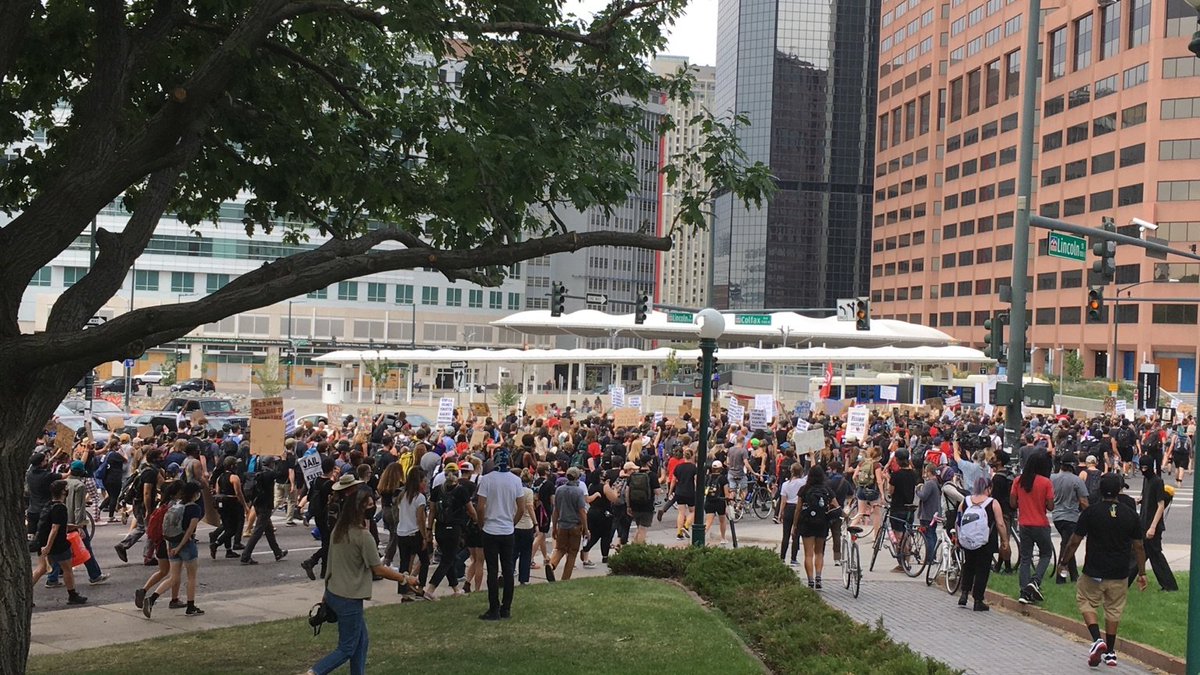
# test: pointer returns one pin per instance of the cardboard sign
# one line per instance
(658, 416)
(759, 419)
(145, 431)
(64, 438)
(802, 426)
(480, 409)
(539, 410)
(935, 403)
(479, 439)
(114, 422)
(626, 417)
(685, 407)
(333, 413)
(445, 414)
(364, 416)
(1120, 406)
(888, 392)
(635, 402)
(266, 437)
(809, 441)
(311, 466)
(198, 418)
(856, 422)
(1110, 405)
(266, 408)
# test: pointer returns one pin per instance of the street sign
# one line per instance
(845, 308)
(458, 364)
(1066, 246)
(596, 299)
(95, 321)
(128, 363)
(681, 317)
(752, 319)
(1112, 387)
(460, 377)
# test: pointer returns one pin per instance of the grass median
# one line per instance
(1154, 618)
(600, 625)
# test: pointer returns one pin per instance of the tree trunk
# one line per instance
(17, 440)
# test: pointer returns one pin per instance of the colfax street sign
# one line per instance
(681, 317)
(1069, 247)
(752, 319)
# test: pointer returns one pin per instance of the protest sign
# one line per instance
(266, 408)
(635, 402)
(445, 413)
(856, 422)
(480, 409)
(333, 413)
(888, 392)
(310, 465)
(809, 441)
(266, 437)
(289, 421)
(617, 397)
(626, 417)
(759, 418)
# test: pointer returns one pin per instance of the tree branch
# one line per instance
(596, 37)
(14, 24)
(296, 9)
(334, 261)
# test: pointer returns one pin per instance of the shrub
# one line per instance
(658, 562)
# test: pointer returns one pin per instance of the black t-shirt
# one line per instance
(1110, 528)
(451, 506)
(55, 515)
(190, 512)
(1001, 489)
(264, 496)
(148, 476)
(116, 467)
(714, 487)
(319, 493)
(1152, 494)
(904, 488)
(289, 463)
(685, 479)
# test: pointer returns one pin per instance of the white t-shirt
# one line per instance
(791, 490)
(406, 521)
(501, 489)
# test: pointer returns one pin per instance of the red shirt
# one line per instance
(1031, 506)
(594, 449)
(672, 463)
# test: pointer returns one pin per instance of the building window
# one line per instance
(1139, 23)
(319, 294)
(1047, 281)
(1075, 170)
(1080, 96)
(1133, 116)
(376, 292)
(1103, 162)
(1077, 133)
(1180, 108)
(42, 277)
(1069, 316)
(429, 295)
(1052, 141)
(1048, 210)
(1106, 87)
(495, 300)
(1071, 279)
(1130, 194)
(215, 282)
(454, 297)
(964, 289)
(1012, 74)
(1136, 75)
(956, 99)
(1053, 106)
(1100, 201)
(404, 294)
(1104, 124)
(145, 280)
(1181, 19)
(1180, 66)
(1173, 314)
(347, 290)
(924, 103)
(1008, 123)
(1073, 206)
(1179, 149)
(183, 282)
(1110, 30)
(883, 131)
(1044, 316)
(1052, 176)
(974, 80)
(1058, 53)
(1008, 155)
(1134, 154)
(514, 301)
(474, 299)
(910, 120)
(1083, 43)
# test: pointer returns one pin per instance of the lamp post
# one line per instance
(712, 325)
(1113, 374)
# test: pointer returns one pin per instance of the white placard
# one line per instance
(758, 419)
(988, 409)
(765, 402)
(311, 467)
(445, 414)
(658, 416)
(289, 421)
(1121, 406)
(856, 422)
(888, 392)
(635, 402)
(802, 425)
(617, 397)
(980, 394)
(1175, 403)
(737, 414)
(952, 401)
(809, 441)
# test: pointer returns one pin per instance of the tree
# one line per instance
(268, 378)
(337, 118)
(506, 397)
(670, 367)
(1072, 364)
(378, 370)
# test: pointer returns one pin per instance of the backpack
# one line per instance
(172, 522)
(621, 504)
(974, 529)
(1168, 495)
(406, 460)
(101, 471)
(579, 459)
(1125, 437)
(250, 486)
(1152, 443)
(154, 524)
(131, 490)
(641, 497)
(1183, 445)
(866, 474)
(815, 504)
(449, 515)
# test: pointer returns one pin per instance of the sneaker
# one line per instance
(249, 561)
(490, 616)
(589, 564)
(54, 584)
(307, 566)
(1097, 652)
(281, 555)
(505, 614)
(78, 599)
(1024, 598)
(549, 575)
(239, 546)
(193, 611)
(290, 523)
(981, 607)
(102, 579)
(176, 603)
(1035, 593)
(139, 597)
(1110, 659)
(793, 563)
(817, 584)
(212, 549)
(121, 553)
(232, 554)
(962, 600)
(148, 607)
(679, 536)
(604, 560)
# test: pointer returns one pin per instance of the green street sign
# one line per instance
(1066, 246)
(752, 319)
(681, 317)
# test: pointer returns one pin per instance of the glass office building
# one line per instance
(803, 72)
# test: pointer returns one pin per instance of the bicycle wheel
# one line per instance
(912, 553)
(931, 570)
(953, 571)
(856, 564)
(847, 564)
(762, 504)
(737, 508)
(879, 535)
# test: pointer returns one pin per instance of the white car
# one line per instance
(149, 377)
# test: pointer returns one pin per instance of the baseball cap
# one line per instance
(1111, 484)
(717, 464)
(1091, 459)
(466, 466)
(573, 473)
(173, 468)
(78, 469)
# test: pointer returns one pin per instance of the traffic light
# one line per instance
(862, 314)
(1095, 305)
(643, 308)
(995, 336)
(558, 298)
(1105, 269)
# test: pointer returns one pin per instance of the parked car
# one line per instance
(194, 384)
(73, 413)
(149, 377)
(211, 406)
(117, 384)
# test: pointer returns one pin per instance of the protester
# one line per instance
(179, 529)
(53, 547)
(500, 495)
(981, 533)
(1033, 497)
(262, 502)
(569, 524)
(1153, 507)
(812, 523)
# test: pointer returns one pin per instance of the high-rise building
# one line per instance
(1119, 137)
(802, 73)
(683, 271)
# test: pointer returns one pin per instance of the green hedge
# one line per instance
(787, 623)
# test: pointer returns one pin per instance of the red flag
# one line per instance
(828, 386)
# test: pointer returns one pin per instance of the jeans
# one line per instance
(262, 525)
(1031, 535)
(789, 518)
(447, 543)
(523, 552)
(139, 530)
(93, 567)
(322, 553)
(352, 637)
(931, 539)
(389, 524)
(498, 555)
(1065, 529)
(410, 545)
(977, 567)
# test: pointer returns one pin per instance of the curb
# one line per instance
(1150, 656)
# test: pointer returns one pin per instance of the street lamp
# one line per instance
(1117, 317)
(1194, 47)
(712, 325)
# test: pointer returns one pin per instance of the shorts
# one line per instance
(643, 518)
(715, 506)
(813, 528)
(685, 500)
(160, 551)
(1181, 460)
(63, 558)
(1090, 594)
(567, 539)
(866, 494)
(1126, 454)
(739, 483)
(186, 553)
(473, 537)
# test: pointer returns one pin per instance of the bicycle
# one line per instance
(851, 563)
(906, 547)
(948, 556)
(757, 497)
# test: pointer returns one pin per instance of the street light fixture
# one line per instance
(1117, 315)
(712, 326)
(1194, 47)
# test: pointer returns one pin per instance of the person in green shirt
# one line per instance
(353, 559)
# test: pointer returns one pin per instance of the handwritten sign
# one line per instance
(953, 401)
(617, 397)
(266, 408)
(333, 413)
(145, 431)
(445, 414)
(635, 402)
(685, 407)
(480, 409)
(289, 421)
(856, 422)
(803, 408)
(1120, 406)
(658, 416)
(479, 438)
(266, 437)
(626, 417)
(115, 422)
(737, 414)
(364, 416)
(759, 418)
(765, 402)
(802, 425)
(310, 465)
(888, 392)
(64, 438)
(808, 441)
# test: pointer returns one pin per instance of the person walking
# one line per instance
(1114, 536)
(450, 508)
(319, 495)
(569, 524)
(981, 532)
(525, 528)
(77, 492)
(682, 490)
(812, 522)
(1033, 497)
(262, 502)
(601, 497)
(391, 485)
(179, 530)
(500, 494)
(717, 494)
(411, 525)
(1070, 499)
(231, 506)
(53, 546)
(353, 561)
(1153, 507)
(145, 497)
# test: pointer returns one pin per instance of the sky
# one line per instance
(694, 36)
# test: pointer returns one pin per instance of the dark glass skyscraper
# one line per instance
(804, 72)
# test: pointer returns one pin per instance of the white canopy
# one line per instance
(907, 355)
(795, 329)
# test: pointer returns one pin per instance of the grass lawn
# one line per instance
(599, 625)
(1152, 618)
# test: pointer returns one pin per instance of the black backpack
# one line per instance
(1152, 443)
(250, 486)
(641, 496)
(815, 504)
(1125, 437)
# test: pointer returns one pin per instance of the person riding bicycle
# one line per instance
(868, 478)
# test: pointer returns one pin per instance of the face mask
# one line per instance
(370, 513)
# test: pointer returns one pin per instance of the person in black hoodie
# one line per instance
(263, 502)
(37, 483)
